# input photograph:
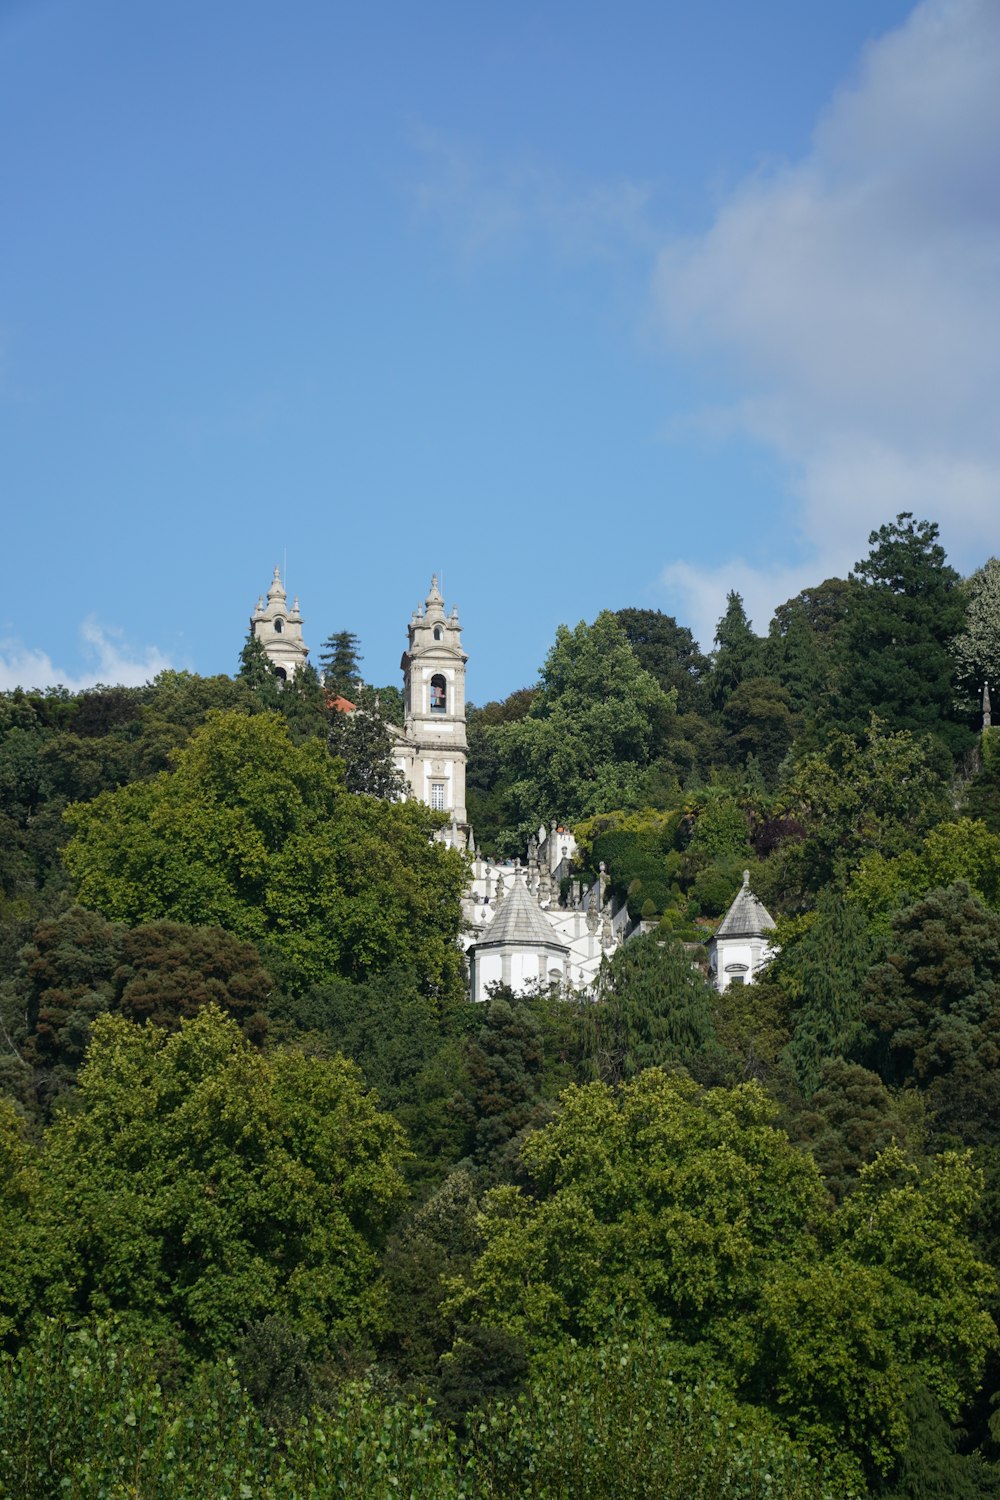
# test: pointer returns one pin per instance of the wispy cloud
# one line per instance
(108, 659)
(854, 299)
(491, 208)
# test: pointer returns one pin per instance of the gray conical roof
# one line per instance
(747, 917)
(520, 922)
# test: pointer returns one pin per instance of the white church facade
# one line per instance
(525, 925)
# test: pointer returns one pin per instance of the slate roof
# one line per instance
(747, 917)
(520, 922)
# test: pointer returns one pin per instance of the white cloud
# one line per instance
(854, 299)
(109, 659)
(492, 208)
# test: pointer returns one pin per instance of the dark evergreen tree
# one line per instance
(904, 615)
(802, 643)
(340, 664)
(758, 721)
(303, 703)
(504, 1068)
(738, 652)
(935, 1003)
(258, 674)
(361, 739)
(653, 1008)
(822, 972)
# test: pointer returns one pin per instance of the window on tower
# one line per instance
(279, 626)
(439, 694)
(437, 796)
(438, 633)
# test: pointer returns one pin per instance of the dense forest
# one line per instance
(284, 1214)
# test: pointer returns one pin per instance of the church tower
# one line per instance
(432, 749)
(279, 630)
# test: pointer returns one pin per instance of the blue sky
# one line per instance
(580, 305)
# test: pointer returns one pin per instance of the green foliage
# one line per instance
(851, 1118)
(758, 721)
(652, 1008)
(631, 1417)
(905, 614)
(363, 743)
(257, 673)
(591, 728)
(78, 966)
(976, 648)
(877, 792)
(657, 1198)
(259, 835)
(821, 969)
(935, 1003)
(690, 1209)
(803, 644)
(200, 1186)
(340, 664)
(82, 1415)
(668, 652)
(961, 850)
(738, 653)
(502, 1084)
(637, 851)
(18, 1191)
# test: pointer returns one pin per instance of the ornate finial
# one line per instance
(987, 712)
(746, 877)
(498, 894)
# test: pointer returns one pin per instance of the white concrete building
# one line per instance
(741, 947)
(551, 941)
(431, 748)
(279, 629)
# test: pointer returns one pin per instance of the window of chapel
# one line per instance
(439, 694)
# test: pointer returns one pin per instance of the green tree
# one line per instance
(257, 673)
(590, 731)
(668, 652)
(802, 650)
(821, 971)
(503, 1073)
(652, 1009)
(851, 1118)
(976, 648)
(340, 664)
(738, 652)
(258, 835)
(303, 703)
(963, 849)
(758, 721)
(904, 616)
(690, 1211)
(201, 1185)
(935, 1002)
(878, 792)
(363, 742)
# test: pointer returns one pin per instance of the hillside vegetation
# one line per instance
(283, 1214)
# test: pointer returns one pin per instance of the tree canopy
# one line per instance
(259, 835)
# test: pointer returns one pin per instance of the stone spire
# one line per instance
(279, 630)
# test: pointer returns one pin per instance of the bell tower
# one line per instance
(434, 707)
(279, 630)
